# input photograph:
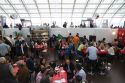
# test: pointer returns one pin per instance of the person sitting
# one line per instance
(111, 52)
(80, 72)
(69, 68)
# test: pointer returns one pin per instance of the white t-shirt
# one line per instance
(92, 52)
(111, 51)
(82, 74)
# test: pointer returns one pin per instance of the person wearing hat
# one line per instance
(6, 72)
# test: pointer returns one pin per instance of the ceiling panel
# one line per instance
(55, 1)
(66, 15)
(79, 5)
(68, 1)
(43, 6)
(31, 6)
(44, 10)
(42, 1)
(55, 10)
(14, 1)
(66, 10)
(21, 11)
(28, 1)
(67, 6)
(55, 5)
(81, 1)
(88, 15)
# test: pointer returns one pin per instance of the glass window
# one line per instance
(55, 10)
(100, 11)
(104, 6)
(55, 5)
(31, 6)
(42, 1)
(78, 10)
(91, 6)
(68, 1)
(43, 6)
(24, 15)
(115, 6)
(79, 5)
(94, 1)
(55, 1)
(28, 2)
(66, 10)
(34, 15)
(15, 1)
(108, 15)
(81, 1)
(3, 1)
(66, 15)
(77, 15)
(119, 1)
(88, 15)
(108, 1)
(118, 15)
(33, 11)
(89, 10)
(121, 11)
(56, 15)
(18, 6)
(21, 11)
(45, 15)
(10, 11)
(67, 6)
(44, 10)
(111, 10)
(6, 6)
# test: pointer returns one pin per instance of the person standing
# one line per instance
(4, 48)
(92, 56)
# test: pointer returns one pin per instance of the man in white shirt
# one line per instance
(92, 56)
(80, 72)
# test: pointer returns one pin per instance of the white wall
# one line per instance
(10, 31)
(99, 32)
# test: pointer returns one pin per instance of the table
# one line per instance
(60, 77)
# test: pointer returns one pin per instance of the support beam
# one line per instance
(13, 7)
(25, 8)
(85, 8)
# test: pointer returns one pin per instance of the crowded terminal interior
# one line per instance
(62, 41)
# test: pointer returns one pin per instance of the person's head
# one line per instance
(109, 44)
(67, 61)
(84, 36)
(91, 44)
(77, 34)
(103, 39)
(78, 66)
(10, 36)
(42, 68)
(2, 60)
(83, 43)
(70, 34)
